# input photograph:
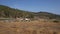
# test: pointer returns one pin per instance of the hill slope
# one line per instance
(8, 12)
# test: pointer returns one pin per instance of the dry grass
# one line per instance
(32, 27)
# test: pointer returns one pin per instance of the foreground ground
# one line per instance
(30, 27)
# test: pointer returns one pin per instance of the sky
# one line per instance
(52, 6)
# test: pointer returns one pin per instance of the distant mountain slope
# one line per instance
(7, 12)
(48, 15)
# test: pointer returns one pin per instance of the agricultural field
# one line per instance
(30, 27)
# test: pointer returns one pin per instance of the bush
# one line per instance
(56, 21)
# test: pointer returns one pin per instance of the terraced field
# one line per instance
(30, 27)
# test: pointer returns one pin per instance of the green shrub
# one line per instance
(56, 21)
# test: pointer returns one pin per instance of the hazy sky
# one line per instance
(52, 6)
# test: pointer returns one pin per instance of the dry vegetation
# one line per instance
(30, 27)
